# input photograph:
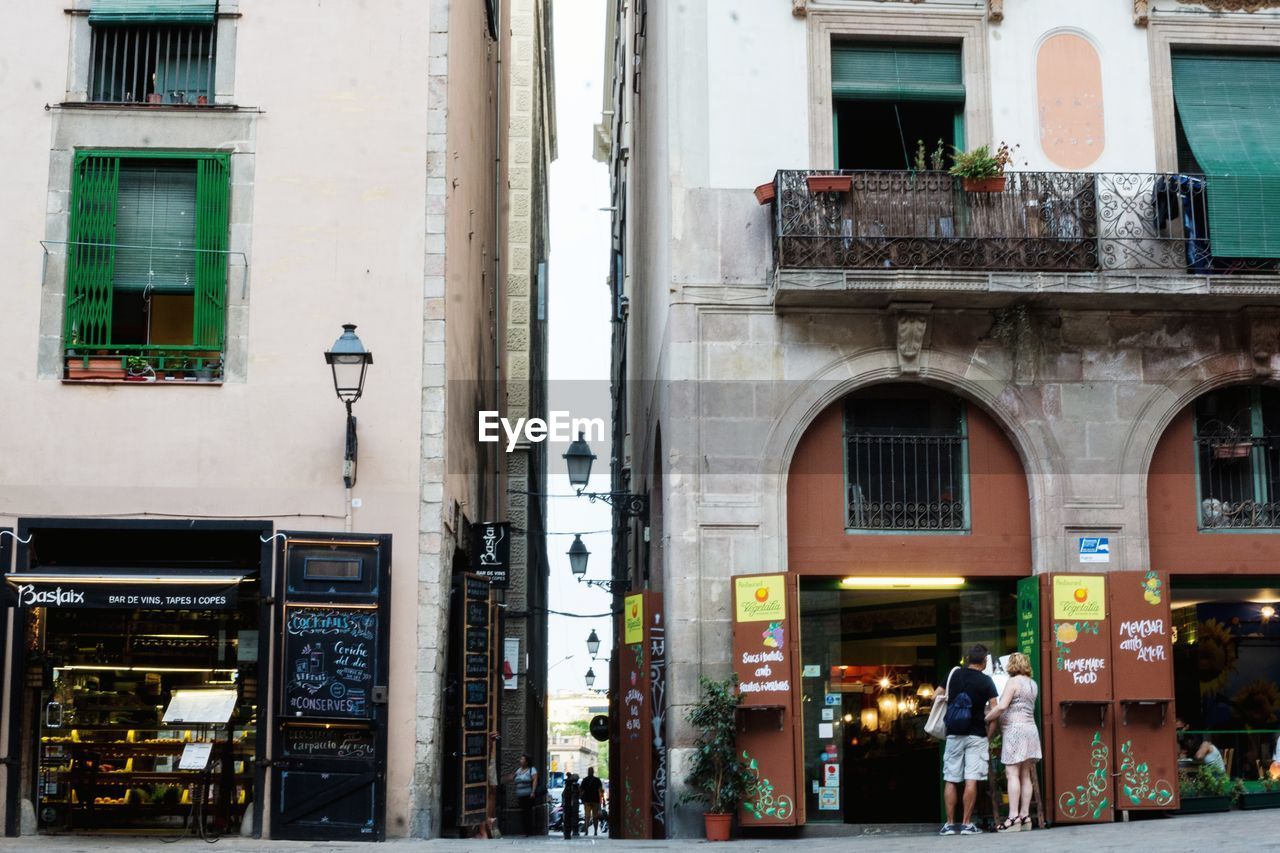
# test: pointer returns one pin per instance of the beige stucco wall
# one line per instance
(337, 219)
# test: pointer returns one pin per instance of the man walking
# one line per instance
(969, 693)
(590, 790)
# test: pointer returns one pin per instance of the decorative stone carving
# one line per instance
(1264, 340)
(1014, 328)
(1141, 12)
(1232, 5)
(995, 11)
(912, 320)
(799, 8)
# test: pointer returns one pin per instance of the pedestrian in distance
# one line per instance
(569, 800)
(1019, 740)
(969, 692)
(591, 789)
(526, 779)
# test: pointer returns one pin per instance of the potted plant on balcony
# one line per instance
(101, 366)
(980, 171)
(765, 193)
(139, 369)
(716, 774)
(829, 183)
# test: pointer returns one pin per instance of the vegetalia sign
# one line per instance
(67, 594)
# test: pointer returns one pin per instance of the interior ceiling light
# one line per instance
(902, 583)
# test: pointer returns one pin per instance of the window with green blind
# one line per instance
(1229, 110)
(146, 225)
(889, 72)
(888, 99)
(152, 12)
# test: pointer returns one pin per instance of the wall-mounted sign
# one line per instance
(511, 663)
(600, 727)
(1095, 549)
(491, 552)
(477, 679)
(1079, 597)
(633, 619)
(760, 598)
(65, 592)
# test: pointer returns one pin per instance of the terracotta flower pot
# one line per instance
(1238, 450)
(829, 183)
(984, 185)
(155, 98)
(718, 826)
(764, 193)
(95, 367)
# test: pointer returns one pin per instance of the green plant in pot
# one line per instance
(716, 775)
(980, 170)
(1205, 789)
(139, 369)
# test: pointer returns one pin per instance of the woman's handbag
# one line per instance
(936, 726)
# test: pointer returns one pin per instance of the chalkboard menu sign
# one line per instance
(329, 655)
(343, 742)
(478, 672)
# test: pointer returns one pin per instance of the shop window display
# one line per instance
(106, 758)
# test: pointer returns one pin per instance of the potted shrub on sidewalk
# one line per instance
(1205, 789)
(1262, 794)
(980, 171)
(716, 775)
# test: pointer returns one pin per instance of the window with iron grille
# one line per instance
(1237, 439)
(147, 257)
(906, 461)
(152, 51)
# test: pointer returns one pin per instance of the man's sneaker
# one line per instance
(970, 829)
(949, 829)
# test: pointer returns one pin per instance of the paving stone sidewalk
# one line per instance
(1233, 832)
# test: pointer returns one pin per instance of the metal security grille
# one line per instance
(906, 482)
(152, 64)
(1239, 481)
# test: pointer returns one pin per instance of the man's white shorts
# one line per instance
(965, 758)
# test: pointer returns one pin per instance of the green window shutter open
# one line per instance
(887, 72)
(91, 250)
(213, 198)
(1230, 111)
(107, 12)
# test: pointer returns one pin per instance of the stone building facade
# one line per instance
(744, 316)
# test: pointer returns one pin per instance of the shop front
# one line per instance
(144, 657)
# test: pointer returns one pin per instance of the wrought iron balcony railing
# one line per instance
(906, 482)
(1039, 221)
(1239, 482)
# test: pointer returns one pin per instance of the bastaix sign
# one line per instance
(65, 593)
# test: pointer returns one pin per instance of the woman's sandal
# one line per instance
(1011, 824)
(1024, 823)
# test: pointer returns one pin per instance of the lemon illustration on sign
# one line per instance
(1082, 594)
(1067, 633)
(762, 595)
(635, 611)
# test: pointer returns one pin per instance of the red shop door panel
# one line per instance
(1146, 761)
(765, 658)
(1077, 658)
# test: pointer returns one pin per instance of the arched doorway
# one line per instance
(1213, 507)
(908, 524)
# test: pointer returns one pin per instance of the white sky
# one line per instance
(579, 331)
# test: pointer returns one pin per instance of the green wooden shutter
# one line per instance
(156, 226)
(152, 12)
(91, 250)
(885, 72)
(213, 196)
(1230, 111)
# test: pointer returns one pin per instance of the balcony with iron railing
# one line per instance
(1084, 232)
(1239, 480)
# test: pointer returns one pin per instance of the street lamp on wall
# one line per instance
(591, 678)
(349, 360)
(578, 555)
(578, 458)
(593, 643)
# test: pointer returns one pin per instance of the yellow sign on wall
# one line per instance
(1079, 597)
(633, 620)
(760, 598)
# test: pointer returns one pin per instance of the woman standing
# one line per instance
(1020, 740)
(526, 779)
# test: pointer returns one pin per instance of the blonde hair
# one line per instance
(1019, 664)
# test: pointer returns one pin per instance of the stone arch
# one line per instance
(999, 398)
(1157, 413)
